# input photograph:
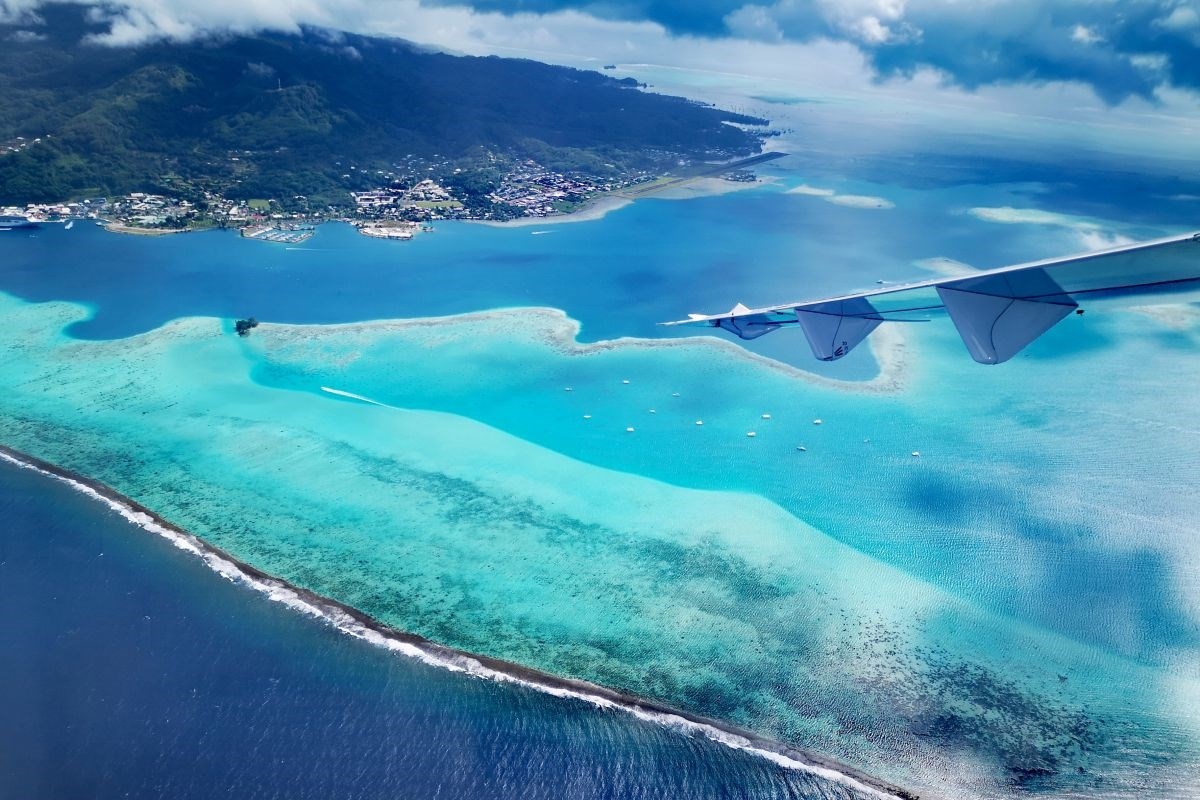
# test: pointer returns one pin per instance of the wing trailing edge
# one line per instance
(997, 316)
(835, 328)
(997, 312)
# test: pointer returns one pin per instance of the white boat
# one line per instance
(70, 224)
(14, 222)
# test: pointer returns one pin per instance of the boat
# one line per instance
(14, 223)
(70, 224)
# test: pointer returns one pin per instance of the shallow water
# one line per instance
(1016, 610)
(131, 670)
(719, 602)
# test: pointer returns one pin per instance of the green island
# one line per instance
(274, 131)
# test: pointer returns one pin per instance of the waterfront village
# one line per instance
(398, 210)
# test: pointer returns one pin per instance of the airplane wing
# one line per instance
(997, 311)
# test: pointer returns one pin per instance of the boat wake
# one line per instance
(355, 623)
(353, 396)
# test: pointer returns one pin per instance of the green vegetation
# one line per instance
(312, 115)
(437, 204)
(474, 186)
(259, 205)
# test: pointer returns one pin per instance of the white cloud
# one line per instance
(19, 12)
(136, 21)
(753, 22)
(1184, 20)
(26, 36)
(872, 31)
(823, 65)
(946, 267)
(1152, 62)
(1101, 240)
(869, 21)
(1092, 234)
(1085, 35)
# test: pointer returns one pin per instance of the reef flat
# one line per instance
(721, 604)
(359, 625)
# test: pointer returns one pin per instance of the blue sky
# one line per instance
(1133, 56)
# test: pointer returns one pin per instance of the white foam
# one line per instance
(1092, 234)
(353, 396)
(1101, 240)
(433, 655)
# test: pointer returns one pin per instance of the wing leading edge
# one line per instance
(997, 312)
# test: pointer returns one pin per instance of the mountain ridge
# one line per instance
(280, 115)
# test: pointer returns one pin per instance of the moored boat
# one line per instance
(9, 223)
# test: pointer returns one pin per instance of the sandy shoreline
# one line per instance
(601, 206)
(115, 227)
(707, 187)
(592, 210)
(358, 624)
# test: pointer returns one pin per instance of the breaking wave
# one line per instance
(359, 625)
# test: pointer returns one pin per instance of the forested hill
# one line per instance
(279, 115)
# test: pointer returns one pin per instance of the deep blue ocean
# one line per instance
(130, 670)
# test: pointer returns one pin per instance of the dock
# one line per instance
(292, 234)
(401, 231)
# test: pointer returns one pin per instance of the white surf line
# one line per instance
(430, 653)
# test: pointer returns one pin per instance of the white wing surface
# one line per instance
(997, 312)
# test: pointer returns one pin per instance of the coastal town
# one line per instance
(399, 209)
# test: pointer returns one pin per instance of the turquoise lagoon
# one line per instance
(1014, 611)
